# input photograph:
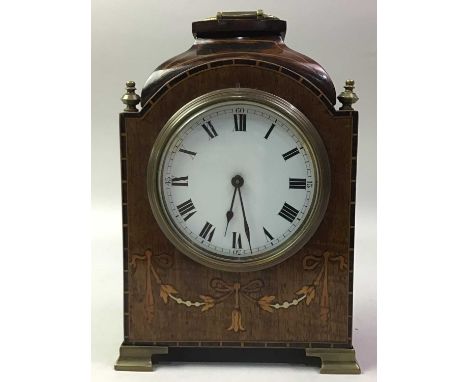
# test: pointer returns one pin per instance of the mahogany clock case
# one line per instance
(172, 302)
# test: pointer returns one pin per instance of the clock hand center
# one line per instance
(237, 181)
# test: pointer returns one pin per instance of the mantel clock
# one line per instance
(238, 201)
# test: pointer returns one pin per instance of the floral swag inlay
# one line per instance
(315, 292)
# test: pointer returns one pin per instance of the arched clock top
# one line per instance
(240, 36)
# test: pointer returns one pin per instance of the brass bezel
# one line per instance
(311, 139)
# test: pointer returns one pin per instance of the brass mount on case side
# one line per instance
(130, 98)
(336, 361)
(137, 358)
(348, 97)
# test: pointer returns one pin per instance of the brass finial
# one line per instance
(130, 98)
(348, 97)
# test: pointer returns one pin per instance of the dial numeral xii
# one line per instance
(240, 122)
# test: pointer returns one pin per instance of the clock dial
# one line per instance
(238, 180)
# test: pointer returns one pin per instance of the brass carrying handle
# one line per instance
(247, 15)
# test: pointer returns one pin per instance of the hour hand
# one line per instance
(230, 214)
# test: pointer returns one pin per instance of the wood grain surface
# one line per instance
(156, 274)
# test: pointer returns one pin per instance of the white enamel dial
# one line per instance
(245, 155)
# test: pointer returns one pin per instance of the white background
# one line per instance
(45, 167)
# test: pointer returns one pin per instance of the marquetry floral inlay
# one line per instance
(315, 292)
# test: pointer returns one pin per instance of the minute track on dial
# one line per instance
(268, 154)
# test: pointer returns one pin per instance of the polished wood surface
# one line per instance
(156, 274)
(219, 29)
(265, 48)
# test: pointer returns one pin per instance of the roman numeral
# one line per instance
(240, 122)
(267, 234)
(269, 131)
(210, 130)
(180, 181)
(186, 208)
(236, 240)
(290, 153)
(297, 183)
(288, 212)
(191, 153)
(207, 231)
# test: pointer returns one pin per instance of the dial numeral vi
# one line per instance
(236, 240)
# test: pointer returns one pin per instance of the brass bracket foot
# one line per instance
(336, 361)
(137, 358)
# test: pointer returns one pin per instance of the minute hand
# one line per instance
(246, 225)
